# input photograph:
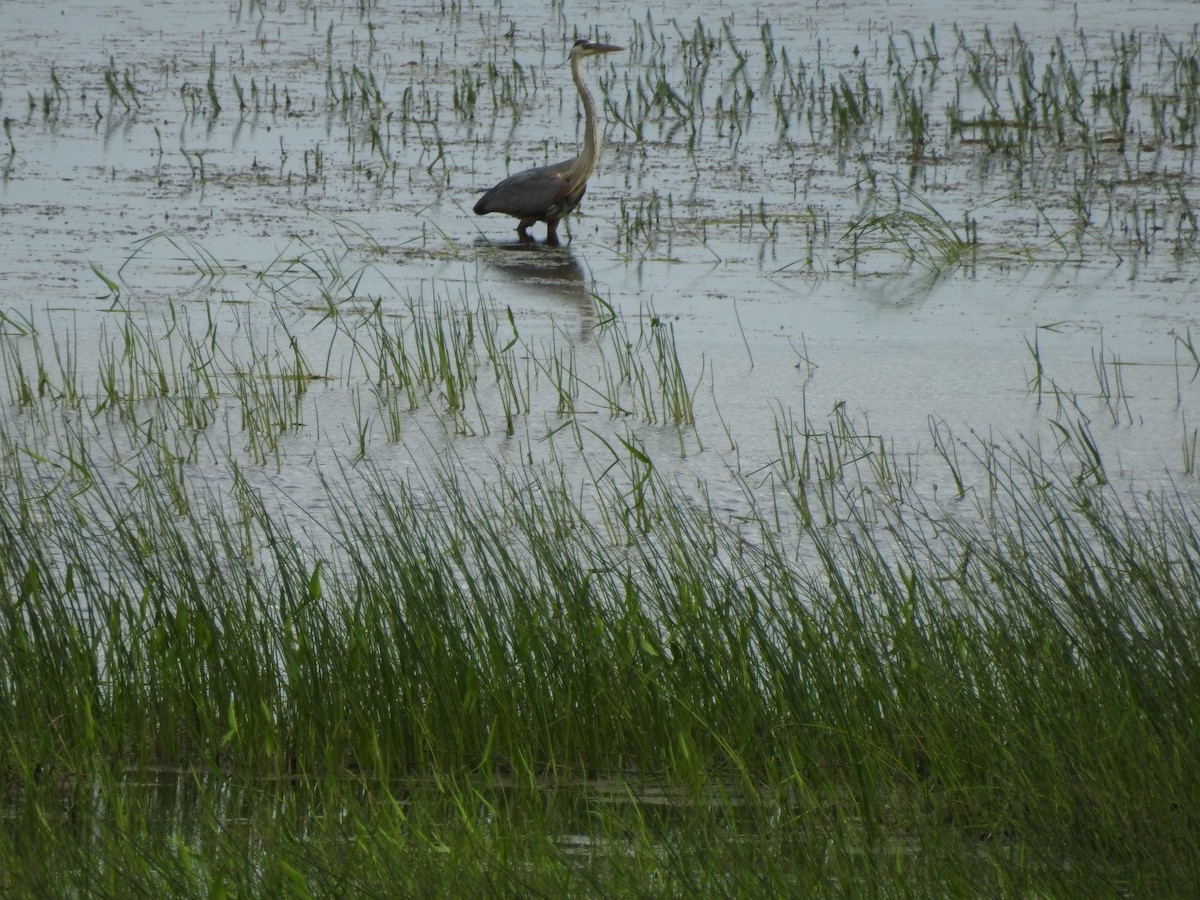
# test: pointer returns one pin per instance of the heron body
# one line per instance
(549, 193)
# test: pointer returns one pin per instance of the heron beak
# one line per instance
(588, 48)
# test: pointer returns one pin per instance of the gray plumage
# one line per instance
(549, 193)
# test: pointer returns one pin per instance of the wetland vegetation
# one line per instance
(341, 556)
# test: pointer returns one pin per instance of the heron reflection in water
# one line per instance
(549, 193)
(539, 273)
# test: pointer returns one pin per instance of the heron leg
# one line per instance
(552, 232)
(523, 228)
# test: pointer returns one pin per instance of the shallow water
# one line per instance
(343, 182)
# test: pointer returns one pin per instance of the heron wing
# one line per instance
(531, 193)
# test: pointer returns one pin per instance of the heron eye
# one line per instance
(580, 42)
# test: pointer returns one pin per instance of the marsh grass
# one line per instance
(596, 680)
(915, 230)
(485, 684)
(450, 684)
(1117, 112)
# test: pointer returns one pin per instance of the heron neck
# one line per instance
(585, 162)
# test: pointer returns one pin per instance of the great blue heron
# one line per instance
(548, 193)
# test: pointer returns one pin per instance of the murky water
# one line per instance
(277, 173)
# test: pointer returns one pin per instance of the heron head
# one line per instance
(591, 48)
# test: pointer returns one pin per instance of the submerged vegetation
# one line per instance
(322, 578)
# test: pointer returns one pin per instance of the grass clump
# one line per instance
(477, 688)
